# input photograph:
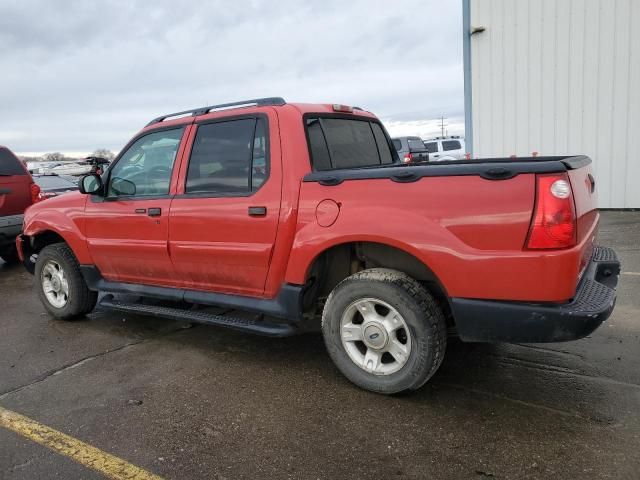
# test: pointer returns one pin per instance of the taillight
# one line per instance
(45, 195)
(554, 217)
(408, 158)
(35, 193)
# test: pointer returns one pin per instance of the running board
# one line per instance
(259, 327)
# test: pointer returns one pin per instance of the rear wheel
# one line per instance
(384, 331)
(60, 285)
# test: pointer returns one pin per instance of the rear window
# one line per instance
(337, 143)
(432, 147)
(397, 144)
(451, 145)
(415, 144)
(9, 164)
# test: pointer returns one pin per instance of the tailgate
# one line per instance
(15, 194)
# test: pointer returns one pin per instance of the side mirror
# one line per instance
(123, 187)
(90, 184)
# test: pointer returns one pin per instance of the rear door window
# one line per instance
(336, 143)
(229, 157)
(10, 164)
(397, 143)
(451, 145)
(432, 147)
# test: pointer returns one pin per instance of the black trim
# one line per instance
(287, 304)
(500, 321)
(10, 228)
(490, 169)
(139, 198)
(259, 102)
(576, 162)
(256, 325)
(257, 211)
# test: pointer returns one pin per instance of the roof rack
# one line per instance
(260, 102)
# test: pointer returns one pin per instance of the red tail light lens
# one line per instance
(554, 218)
(45, 195)
(407, 158)
(35, 193)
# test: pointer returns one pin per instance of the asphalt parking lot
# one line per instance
(192, 401)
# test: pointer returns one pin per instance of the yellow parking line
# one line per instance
(92, 457)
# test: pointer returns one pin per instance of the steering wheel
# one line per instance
(158, 179)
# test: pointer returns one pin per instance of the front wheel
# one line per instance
(384, 331)
(60, 285)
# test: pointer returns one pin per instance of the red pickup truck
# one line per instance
(304, 215)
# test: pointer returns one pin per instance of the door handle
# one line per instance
(141, 210)
(257, 211)
(154, 212)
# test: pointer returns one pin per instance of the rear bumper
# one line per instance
(10, 228)
(499, 321)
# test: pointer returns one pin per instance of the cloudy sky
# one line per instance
(77, 76)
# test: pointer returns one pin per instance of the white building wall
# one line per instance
(560, 77)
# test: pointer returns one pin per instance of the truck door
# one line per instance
(223, 224)
(127, 229)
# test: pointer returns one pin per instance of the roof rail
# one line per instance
(260, 102)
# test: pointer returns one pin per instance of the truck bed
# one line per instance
(470, 219)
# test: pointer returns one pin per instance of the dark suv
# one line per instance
(17, 192)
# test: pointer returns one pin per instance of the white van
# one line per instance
(445, 148)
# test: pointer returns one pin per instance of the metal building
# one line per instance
(557, 77)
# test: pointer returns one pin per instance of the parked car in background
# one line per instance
(446, 148)
(301, 211)
(410, 149)
(17, 192)
(71, 168)
(52, 185)
(41, 167)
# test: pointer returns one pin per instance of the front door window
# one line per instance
(145, 168)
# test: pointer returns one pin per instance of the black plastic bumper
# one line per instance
(499, 321)
(10, 228)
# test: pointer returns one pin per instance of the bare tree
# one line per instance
(104, 153)
(53, 157)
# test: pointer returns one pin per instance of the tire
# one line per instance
(79, 300)
(10, 255)
(396, 299)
